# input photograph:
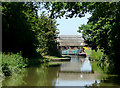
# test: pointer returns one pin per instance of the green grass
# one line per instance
(12, 63)
(54, 57)
(1, 73)
(100, 59)
(93, 55)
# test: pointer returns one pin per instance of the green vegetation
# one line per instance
(12, 63)
(96, 56)
(34, 36)
(99, 58)
(1, 73)
(97, 69)
(102, 29)
(26, 32)
(55, 57)
(88, 52)
(46, 35)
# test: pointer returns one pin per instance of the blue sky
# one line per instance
(70, 26)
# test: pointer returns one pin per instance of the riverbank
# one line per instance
(50, 76)
(102, 61)
(48, 59)
(57, 61)
(62, 58)
(13, 63)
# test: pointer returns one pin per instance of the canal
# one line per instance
(76, 72)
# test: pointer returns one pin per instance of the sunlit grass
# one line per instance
(54, 57)
(12, 63)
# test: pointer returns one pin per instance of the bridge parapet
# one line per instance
(70, 41)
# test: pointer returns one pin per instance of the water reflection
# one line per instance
(75, 79)
(41, 76)
(33, 76)
(86, 66)
(77, 64)
(77, 72)
(15, 79)
(1, 81)
(72, 73)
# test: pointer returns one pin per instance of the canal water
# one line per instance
(77, 72)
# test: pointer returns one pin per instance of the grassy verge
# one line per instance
(56, 61)
(11, 63)
(100, 59)
(14, 63)
(1, 73)
(55, 64)
(54, 57)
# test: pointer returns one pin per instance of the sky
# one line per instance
(70, 26)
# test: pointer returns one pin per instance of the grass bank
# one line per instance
(11, 63)
(100, 59)
(14, 63)
(54, 58)
(57, 61)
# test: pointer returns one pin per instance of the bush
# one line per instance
(12, 63)
(96, 56)
(1, 73)
(102, 60)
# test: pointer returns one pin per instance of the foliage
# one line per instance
(103, 30)
(88, 52)
(24, 31)
(46, 34)
(103, 26)
(69, 9)
(12, 63)
(101, 60)
(1, 73)
(96, 56)
(17, 24)
(96, 68)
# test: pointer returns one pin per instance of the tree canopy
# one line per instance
(102, 29)
(24, 31)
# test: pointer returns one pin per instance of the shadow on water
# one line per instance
(77, 72)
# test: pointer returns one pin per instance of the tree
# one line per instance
(104, 30)
(46, 34)
(24, 31)
(103, 26)
(18, 25)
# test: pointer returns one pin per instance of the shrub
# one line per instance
(1, 73)
(12, 63)
(102, 60)
(96, 56)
